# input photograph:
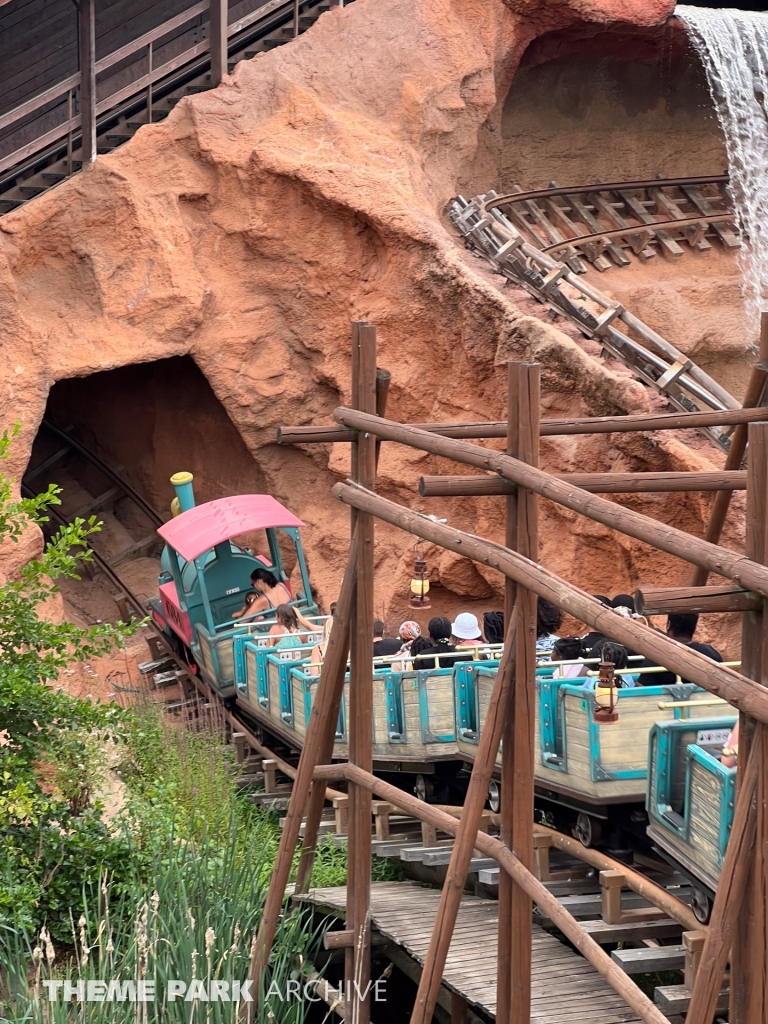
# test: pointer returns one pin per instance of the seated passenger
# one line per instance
(624, 601)
(466, 632)
(381, 646)
(617, 656)
(439, 629)
(493, 627)
(286, 630)
(730, 754)
(682, 629)
(570, 649)
(250, 597)
(318, 651)
(595, 636)
(548, 620)
(271, 593)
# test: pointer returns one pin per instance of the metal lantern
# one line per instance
(606, 695)
(420, 584)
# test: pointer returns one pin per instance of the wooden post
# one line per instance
(86, 26)
(296, 6)
(317, 793)
(318, 746)
(513, 988)
(749, 985)
(466, 833)
(219, 14)
(358, 964)
(753, 395)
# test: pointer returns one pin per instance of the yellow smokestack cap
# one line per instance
(181, 478)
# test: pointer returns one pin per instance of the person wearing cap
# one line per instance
(465, 631)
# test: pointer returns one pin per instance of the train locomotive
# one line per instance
(594, 776)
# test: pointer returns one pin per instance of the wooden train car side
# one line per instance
(691, 795)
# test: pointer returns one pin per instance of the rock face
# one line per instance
(247, 231)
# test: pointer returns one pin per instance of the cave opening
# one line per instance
(145, 421)
(615, 103)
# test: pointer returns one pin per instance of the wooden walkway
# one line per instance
(566, 989)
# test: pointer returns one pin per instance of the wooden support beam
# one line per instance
(317, 794)
(540, 895)
(358, 961)
(514, 931)
(549, 428)
(595, 483)
(743, 693)
(86, 32)
(688, 600)
(676, 542)
(467, 833)
(753, 397)
(749, 984)
(219, 13)
(319, 739)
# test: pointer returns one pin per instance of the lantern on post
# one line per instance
(419, 581)
(606, 695)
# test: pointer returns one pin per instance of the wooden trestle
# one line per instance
(517, 990)
(565, 989)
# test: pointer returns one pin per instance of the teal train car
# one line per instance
(590, 775)
(690, 800)
(205, 574)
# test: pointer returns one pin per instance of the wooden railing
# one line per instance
(71, 87)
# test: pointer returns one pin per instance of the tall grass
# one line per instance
(201, 858)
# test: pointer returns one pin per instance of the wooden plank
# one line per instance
(98, 504)
(665, 240)
(647, 959)
(676, 999)
(693, 233)
(604, 933)
(603, 244)
(729, 238)
(563, 983)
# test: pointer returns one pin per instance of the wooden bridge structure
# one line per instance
(738, 930)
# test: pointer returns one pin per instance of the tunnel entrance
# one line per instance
(616, 105)
(144, 422)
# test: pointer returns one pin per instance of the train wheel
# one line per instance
(494, 796)
(423, 788)
(587, 830)
(701, 904)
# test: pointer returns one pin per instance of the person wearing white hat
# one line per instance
(466, 631)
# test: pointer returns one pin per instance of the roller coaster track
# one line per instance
(120, 487)
(521, 236)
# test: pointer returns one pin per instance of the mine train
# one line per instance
(652, 772)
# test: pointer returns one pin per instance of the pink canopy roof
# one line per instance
(204, 526)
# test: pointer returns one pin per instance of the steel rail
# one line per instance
(603, 186)
(685, 222)
(152, 514)
(102, 563)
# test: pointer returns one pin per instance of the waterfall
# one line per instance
(733, 48)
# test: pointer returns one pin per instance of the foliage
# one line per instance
(50, 769)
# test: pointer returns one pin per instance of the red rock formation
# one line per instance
(251, 226)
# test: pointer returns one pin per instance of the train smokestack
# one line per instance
(185, 495)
